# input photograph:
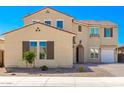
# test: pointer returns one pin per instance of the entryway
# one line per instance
(80, 54)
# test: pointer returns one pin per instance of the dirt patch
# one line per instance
(91, 71)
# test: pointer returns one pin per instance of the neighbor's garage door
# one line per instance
(107, 56)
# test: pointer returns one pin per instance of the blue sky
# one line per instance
(11, 17)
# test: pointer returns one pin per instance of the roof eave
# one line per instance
(39, 23)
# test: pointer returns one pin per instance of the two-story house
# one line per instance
(60, 41)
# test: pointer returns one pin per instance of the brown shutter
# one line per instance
(111, 32)
(104, 32)
(25, 46)
(50, 50)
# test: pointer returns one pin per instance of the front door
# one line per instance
(80, 54)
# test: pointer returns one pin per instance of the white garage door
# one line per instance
(107, 56)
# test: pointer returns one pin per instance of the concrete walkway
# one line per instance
(61, 81)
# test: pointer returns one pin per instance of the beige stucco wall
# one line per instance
(62, 38)
(63, 49)
(97, 42)
(87, 41)
(53, 16)
(94, 42)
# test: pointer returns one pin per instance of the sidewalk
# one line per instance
(62, 81)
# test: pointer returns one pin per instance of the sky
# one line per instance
(11, 17)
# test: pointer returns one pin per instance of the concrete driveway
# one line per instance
(115, 69)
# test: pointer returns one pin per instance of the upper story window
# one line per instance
(94, 32)
(59, 24)
(35, 21)
(47, 22)
(108, 32)
(79, 28)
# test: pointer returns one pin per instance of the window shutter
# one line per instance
(104, 32)
(111, 32)
(25, 46)
(50, 50)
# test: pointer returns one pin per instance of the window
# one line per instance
(79, 28)
(29, 46)
(94, 32)
(48, 23)
(35, 21)
(59, 24)
(46, 48)
(33, 46)
(43, 50)
(108, 32)
(94, 53)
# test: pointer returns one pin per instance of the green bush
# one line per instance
(44, 68)
(29, 58)
(81, 69)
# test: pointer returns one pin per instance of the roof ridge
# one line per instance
(46, 8)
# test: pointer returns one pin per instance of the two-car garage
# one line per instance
(108, 56)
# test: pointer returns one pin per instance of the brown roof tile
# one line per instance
(39, 23)
(94, 22)
(48, 8)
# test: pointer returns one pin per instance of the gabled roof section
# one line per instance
(121, 47)
(48, 8)
(41, 24)
(101, 23)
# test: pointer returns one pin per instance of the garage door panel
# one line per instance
(107, 56)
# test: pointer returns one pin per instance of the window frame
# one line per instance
(35, 21)
(48, 20)
(94, 34)
(111, 32)
(60, 20)
(94, 48)
(38, 49)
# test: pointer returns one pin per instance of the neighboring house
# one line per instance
(121, 54)
(60, 41)
(121, 50)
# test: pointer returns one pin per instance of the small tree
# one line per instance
(29, 57)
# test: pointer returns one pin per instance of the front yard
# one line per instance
(91, 70)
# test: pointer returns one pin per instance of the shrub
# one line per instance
(29, 57)
(81, 69)
(44, 68)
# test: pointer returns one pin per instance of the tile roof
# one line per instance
(94, 22)
(41, 24)
(47, 8)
